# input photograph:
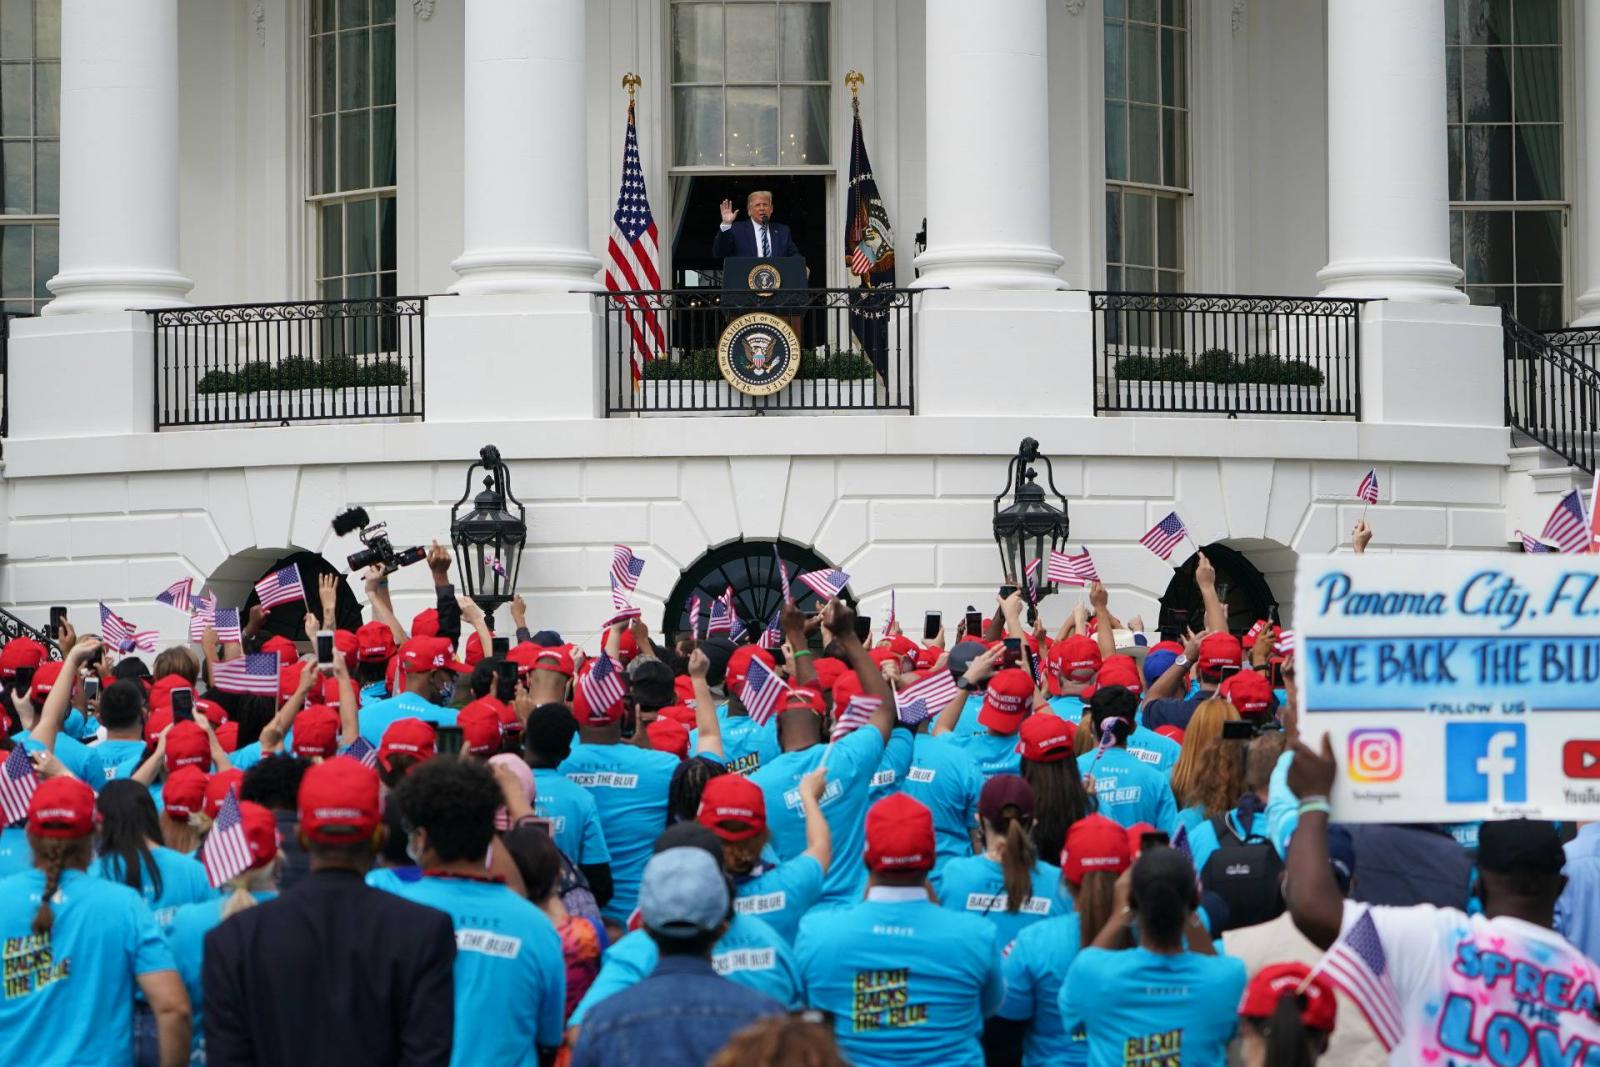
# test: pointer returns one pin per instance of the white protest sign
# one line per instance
(1455, 687)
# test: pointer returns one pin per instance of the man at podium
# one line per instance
(760, 236)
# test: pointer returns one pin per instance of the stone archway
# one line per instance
(749, 567)
(1254, 577)
(234, 585)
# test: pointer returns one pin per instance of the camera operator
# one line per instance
(427, 662)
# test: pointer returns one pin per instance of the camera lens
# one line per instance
(360, 561)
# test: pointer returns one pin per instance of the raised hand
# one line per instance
(729, 212)
(1361, 536)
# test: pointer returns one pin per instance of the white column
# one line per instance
(1587, 305)
(525, 121)
(1388, 193)
(988, 169)
(119, 157)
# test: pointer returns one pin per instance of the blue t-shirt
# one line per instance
(16, 855)
(908, 982)
(746, 744)
(186, 936)
(69, 993)
(376, 718)
(1129, 790)
(629, 786)
(74, 755)
(510, 975)
(118, 758)
(780, 895)
(749, 952)
(977, 886)
(1035, 967)
(1154, 750)
(183, 881)
(574, 818)
(993, 753)
(1136, 1006)
(968, 722)
(1068, 708)
(1172, 711)
(896, 761)
(945, 780)
(845, 800)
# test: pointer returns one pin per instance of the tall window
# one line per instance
(750, 84)
(352, 116)
(30, 150)
(1147, 143)
(1508, 210)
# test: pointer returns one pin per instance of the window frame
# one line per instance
(35, 220)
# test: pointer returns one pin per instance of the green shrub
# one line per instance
(1218, 365)
(1153, 369)
(299, 372)
(296, 372)
(216, 381)
(1271, 370)
(339, 372)
(700, 365)
(837, 366)
(254, 377)
(386, 373)
(1215, 365)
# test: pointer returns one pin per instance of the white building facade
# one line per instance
(1405, 168)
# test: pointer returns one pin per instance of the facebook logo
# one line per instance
(1486, 763)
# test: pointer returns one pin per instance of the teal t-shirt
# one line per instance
(1129, 790)
(183, 881)
(69, 993)
(629, 787)
(747, 745)
(16, 855)
(1154, 750)
(781, 894)
(968, 722)
(378, 717)
(510, 975)
(1035, 967)
(118, 758)
(845, 799)
(1136, 1006)
(945, 780)
(186, 937)
(977, 886)
(908, 982)
(74, 755)
(993, 753)
(896, 762)
(749, 952)
(574, 818)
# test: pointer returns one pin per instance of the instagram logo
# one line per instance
(1374, 755)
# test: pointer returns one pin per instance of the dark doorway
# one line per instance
(288, 620)
(799, 201)
(751, 569)
(1243, 589)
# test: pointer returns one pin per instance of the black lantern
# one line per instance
(1030, 527)
(488, 539)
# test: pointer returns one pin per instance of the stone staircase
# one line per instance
(1535, 479)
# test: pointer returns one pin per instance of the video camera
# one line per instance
(379, 549)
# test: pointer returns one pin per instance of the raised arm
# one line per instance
(328, 596)
(841, 620)
(474, 617)
(981, 667)
(1205, 576)
(444, 594)
(1315, 903)
(59, 701)
(1105, 627)
(792, 621)
(377, 586)
(349, 703)
(1173, 680)
(819, 842)
(708, 730)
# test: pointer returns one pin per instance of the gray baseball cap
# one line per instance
(683, 893)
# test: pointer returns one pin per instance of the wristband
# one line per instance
(1311, 804)
(802, 652)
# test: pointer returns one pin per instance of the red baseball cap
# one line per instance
(1135, 835)
(1046, 738)
(184, 792)
(829, 670)
(374, 643)
(187, 746)
(906, 648)
(20, 653)
(683, 713)
(627, 647)
(1218, 651)
(899, 834)
(669, 735)
(1171, 731)
(1077, 658)
(346, 644)
(289, 675)
(556, 658)
(316, 732)
(1249, 692)
(62, 807)
(804, 698)
(474, 653)
(282, 647)
(927, 658)
(1116, 670)
(739, 665)
(1094, 843)
(44, 679)
(426, 623)
(339, 801)
(161, 718)
(480, 727)
(410, 737)
(523, 655)
(845, 687)
(421, 654)
(217, 788)
(683, 685)
(1007, 701)
(733, 807)
(1319, 1008)
(884, 654)
(260, 833)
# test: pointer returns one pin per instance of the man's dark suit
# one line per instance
(740, 240)
(331, 972)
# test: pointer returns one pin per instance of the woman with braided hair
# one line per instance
(75, 948)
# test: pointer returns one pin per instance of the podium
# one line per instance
(776, 284)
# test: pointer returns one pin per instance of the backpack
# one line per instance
(1246, 873)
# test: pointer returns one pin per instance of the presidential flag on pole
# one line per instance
(760, 692)
(120, 634)
(254, 672)
(282, 586)
(925, 698)
(1165, 535)
(1358, 966)
(1072, 570)
(177, 594)
(625, 571)
(17, 783)
(1568, 526)
(827, 584)
(632, 257)
(1367, 491)
(226, 851)
(868, 252)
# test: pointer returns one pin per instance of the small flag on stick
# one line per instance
(1165, 535)
(282, 586)
(226, 851)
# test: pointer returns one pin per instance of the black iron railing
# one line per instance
(1553, 390)
(1227, 355)
(857, 350)
(12, 627)
(315, 360)
(1580, 342)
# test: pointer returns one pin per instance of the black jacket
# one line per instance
(331, 972)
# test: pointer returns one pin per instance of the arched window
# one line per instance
(288, 620)
(1243, 589)
(751, 570)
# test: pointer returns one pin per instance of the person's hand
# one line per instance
(1012, 606)
(258, 615)
(640, 630)
(814, 784)
(938, 638)
(519, 612)
(1361, 536)
(1122, 893)
(1191, 645)
(1098, 597)
(839, 619)
(82, 650)
(209, 642)
(312, 625)
(307, 677)
(46, 765)
(729, 212)
(983, 665)
(1080, 617)
(699, 664)
(204, 722)
(328, 593)
(510, 788)
(439, 561)
(1311, 773)
(1261, 650)
(470, 610)
(373, 578)
(792, 623)
(66, 637)
(895, 631)
(1205, 575)
(522, 701)
(341, 669)
(1136, 624)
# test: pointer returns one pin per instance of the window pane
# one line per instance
(1538, 246)
(1488, 247)
(47, 100)
(1144, 144)
(1492, 296)
(1456, 227)
(47, 30)
(332, 240)
(696, 42)
(1175, 148)
(353, 84)
(805, 42)
(1117, 142)
(1114, 279)
(383, 66)
(1115, 9)
(16, 260)
(1143, 72)
(361, 287)
(1144, 10)
(326, 99)
(1538, 162)
(16, 99)
(1173, 13)
(1485, 21)
(1140, 281)
(752, 52)
(1485, 84)
(1113, 226)
(382, 10)
(1452, 85)
(352, 13)
(1455, 136)
(355, 170)
(1116, 62)
(697, 127)
(1489, 163)
(1540, 307)
(46, 256)
(752, 127)
(1173, 89)
(17, 160)
(805, 126)
(16, 29)
(47, 177)
(361, 231)
(386, 287)
(1140, 229)
(325, 133)
(1537, 22)
(1167, 247)
(1538, 74)
(1452, 21)
(383, 152)
(386, 233)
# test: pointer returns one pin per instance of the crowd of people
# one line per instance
(1098, 846)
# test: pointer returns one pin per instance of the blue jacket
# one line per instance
(740, 240)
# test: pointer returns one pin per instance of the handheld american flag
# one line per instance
(363, 752)
(1532, 544)
(1568, 526)
(282, 586)
(627, 612)
(856, 714)
(120, 634)
(177, 594)
(694, 617)
(625, 571)
(226, 851)
(1367, 491)
(254, 672)
(1357, 965)
(827, 584)
(925, 698)
(226, 623)
(632, 255)
(772, 636)
(205, 614)
(602, 686)
(17, 783)
(721, 614)
(889, 621)
(1284, 645)
(1165, 535)
(760, 692)
(783, 575)
(1072, 570)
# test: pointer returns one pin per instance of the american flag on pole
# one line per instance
(1165, 535)
(1072, 570)
(1532, 544)
(223, 620)
(17, 783)
(925, 698)
(1357, 965)
(1568, 526)
(177, 594)
(856, 714)
(772, 636)
(627, 613)
(1367, 491)
(625, 571)
(694, 617)
(602, 686)
(721, 614)
(226, 851)
(783, 576)
(254, 672)
(282, 586)
(205, 614)
(120, 634)
(760, 692)
(827, 584)
(363, 752)
(632, 256)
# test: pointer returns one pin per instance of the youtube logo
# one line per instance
(1581, 759)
